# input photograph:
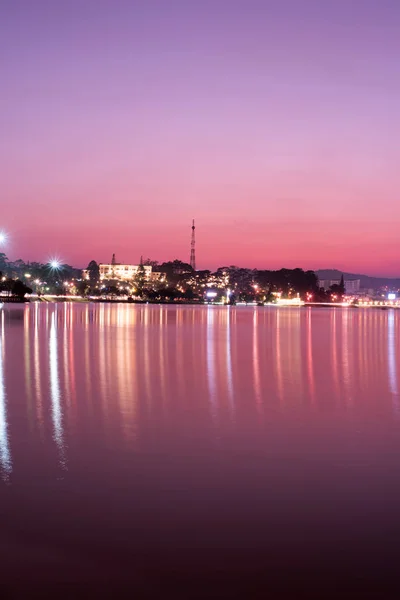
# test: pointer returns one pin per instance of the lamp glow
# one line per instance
(55, 263)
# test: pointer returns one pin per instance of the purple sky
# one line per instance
(276, 124)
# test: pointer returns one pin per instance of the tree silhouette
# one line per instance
(152, 263)
(139, 279)
(3, 262)
(94, 271)
(20, 289)
(82, 287)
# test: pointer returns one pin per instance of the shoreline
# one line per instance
(78, 300)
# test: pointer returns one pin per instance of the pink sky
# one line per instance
(274, 124)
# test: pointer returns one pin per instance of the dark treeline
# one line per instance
(34, 276)
(41, 271)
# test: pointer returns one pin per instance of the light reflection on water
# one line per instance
(392, 358)
(36, 360)
(211, 361)
(310, 359)
(118, 359)
(228, 351)
(55, 393)
(168, 411)
(5, 456)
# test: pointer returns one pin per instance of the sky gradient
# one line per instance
(275, 124)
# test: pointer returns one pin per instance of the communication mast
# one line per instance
(193, 248)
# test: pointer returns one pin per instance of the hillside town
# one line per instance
(177, 281)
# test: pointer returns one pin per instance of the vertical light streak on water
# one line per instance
(392, 364)
(55, 393)
(66, 368)
(131, 372)
(310, 358)
(103, 372)
(211, 375)
(294, 332)
(364, 375)
(229, 359)
(378, 345)
(256, 361)
(162, 339)
(180, 369)
(127, 375)
(278, 354)
(146, 360)
(358, 345)
(72, 354)
(346, 354)
(88, 362)
(36, 363)
(334, 342)
(27, 363)
(118, 351)
(5, 454)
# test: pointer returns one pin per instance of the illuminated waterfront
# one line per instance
(135, 439)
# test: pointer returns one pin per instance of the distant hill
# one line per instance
(365, 280)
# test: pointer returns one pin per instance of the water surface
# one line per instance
(162, 444)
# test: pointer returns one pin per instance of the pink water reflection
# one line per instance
(152, 426)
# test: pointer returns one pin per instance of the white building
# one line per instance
(122, 272)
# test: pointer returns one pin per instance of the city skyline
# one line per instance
(272, 124)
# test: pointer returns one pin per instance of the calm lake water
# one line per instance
(198, 445)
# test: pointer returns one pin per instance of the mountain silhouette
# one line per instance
(365, 280)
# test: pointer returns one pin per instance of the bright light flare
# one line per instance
(3, 237)
(55, 264)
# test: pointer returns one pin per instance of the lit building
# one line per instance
(122, 272)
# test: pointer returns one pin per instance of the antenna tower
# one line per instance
(193, 248)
